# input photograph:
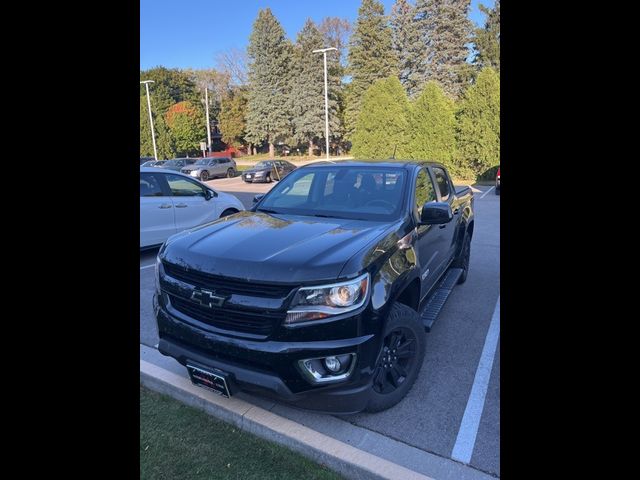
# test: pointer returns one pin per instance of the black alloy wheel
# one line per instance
(396, 362)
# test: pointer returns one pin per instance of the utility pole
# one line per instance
(153, 135)
(326, 94)
(206, 103)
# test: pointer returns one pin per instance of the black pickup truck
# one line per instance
(319, 296)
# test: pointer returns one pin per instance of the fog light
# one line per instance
(332, 364)
(328, 369)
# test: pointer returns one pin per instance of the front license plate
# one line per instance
(209, 380)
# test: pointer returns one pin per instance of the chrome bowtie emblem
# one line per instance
(207, 298)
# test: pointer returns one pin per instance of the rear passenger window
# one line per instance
(444, 186)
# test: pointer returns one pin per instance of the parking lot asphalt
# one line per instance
(430, 418)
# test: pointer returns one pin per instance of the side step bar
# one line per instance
(439, 297)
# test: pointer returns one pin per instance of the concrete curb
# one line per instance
(343, 458)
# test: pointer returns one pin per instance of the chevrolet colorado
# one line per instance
(319, 296)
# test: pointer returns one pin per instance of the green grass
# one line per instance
(180, 442)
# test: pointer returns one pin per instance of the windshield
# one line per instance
(203, 161)
(173, 163)
(263, 165)
(353, 192)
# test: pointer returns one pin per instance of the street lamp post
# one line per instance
(326, 94)
(153, 135)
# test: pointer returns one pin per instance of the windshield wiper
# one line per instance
(323, 216)
(265, 210)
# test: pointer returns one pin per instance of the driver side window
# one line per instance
(424, 191)
(184, 187)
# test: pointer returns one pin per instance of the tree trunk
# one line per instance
(272, 150)
(310, 148)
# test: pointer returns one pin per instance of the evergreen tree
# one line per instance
(383, 121)
(307, 95)
(164, 142)
(233, 110)
(479, 123)
(487, 39)
(432, 128)
(270, 55)
(188, 127)
(407, 44)
(371, 56)
(445, 30)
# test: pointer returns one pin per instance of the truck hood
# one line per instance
(273, 248)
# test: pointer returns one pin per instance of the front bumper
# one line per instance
(269, 368)
(254, 179)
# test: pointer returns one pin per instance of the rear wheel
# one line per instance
(204, 176)
(231, 173)
(400, 358)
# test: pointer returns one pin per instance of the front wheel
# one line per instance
(400, 358)
(228, 211)
(204, 176)
(268, 179)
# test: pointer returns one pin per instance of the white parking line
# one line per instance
(147, 266)
(482, 196)
(465, 442)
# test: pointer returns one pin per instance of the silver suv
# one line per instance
(206, 168)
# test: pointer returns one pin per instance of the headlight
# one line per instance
(316, 303)
(157, 273)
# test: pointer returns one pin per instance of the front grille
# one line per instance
(226, 285)
(233, 320)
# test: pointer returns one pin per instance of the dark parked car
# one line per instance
(267, 171)
(498, 182)
(178, 164)
(319, 296)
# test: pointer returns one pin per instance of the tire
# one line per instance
(463, 258)
(268, 178)
(228, 211)
(402, 321)
(231, 173)
(204, 176)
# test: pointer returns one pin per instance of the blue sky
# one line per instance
(189, 33)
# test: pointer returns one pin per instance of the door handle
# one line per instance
(181, 205)
(165, 205)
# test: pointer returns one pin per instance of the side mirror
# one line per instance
(209, 194)
(257, 198)
(436, 213)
